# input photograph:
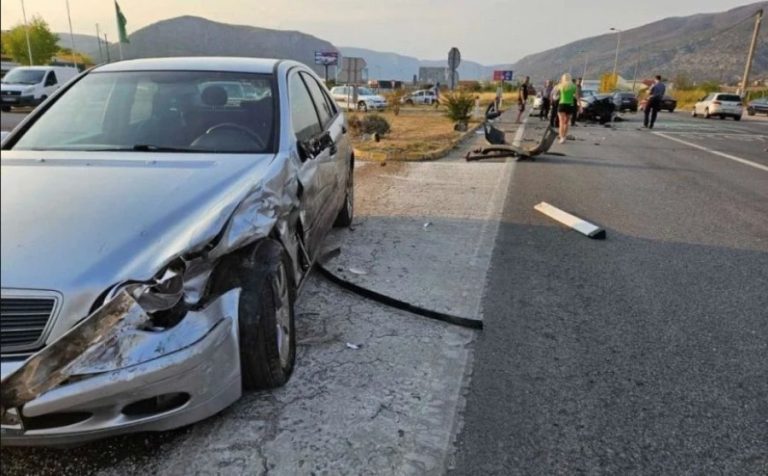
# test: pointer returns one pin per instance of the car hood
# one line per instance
(78, 222)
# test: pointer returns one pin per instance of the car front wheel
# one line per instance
(266, 318)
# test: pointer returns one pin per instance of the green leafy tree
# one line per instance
(43, 41)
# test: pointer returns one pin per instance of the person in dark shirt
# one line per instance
(546, 94)
(653, 105)
(522, 97)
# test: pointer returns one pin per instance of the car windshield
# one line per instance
(164, 111)
(24, 76)
(729, 97)
(365, 92)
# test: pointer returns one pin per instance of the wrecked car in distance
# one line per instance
(158, 219)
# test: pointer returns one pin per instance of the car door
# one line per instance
(333, 123)
(317, 171)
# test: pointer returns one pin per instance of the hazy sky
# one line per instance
(489, 31)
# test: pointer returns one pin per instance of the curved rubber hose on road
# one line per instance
(396, 303)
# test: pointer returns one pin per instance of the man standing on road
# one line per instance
(522, 97)
(653, 105)
(577, 102)
(545, 100)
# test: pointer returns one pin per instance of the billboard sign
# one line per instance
(327, 58)
(502, 75)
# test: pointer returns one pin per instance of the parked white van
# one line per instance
(31, 85)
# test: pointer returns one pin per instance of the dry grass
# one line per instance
(416, 132)
(686, 99)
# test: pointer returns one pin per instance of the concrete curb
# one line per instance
(436, 155)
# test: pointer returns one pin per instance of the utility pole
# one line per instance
(586, 59)
(634, 81)
(106, 47)
(616, 60)
(26, 32)
(71, 36)
(751, 54)
(98, 39)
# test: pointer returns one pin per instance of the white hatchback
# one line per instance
(719, 104)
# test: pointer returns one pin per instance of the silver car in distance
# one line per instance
(158, 219)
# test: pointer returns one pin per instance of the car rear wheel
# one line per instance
(361, 106)
(347, 212)
(266, 318)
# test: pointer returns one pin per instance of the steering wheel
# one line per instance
(235, 127)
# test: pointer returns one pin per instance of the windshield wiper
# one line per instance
(158, 148)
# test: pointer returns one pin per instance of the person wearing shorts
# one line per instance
(567, 107)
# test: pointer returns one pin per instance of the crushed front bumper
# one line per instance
(198, 377)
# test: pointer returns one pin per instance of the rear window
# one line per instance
(174, 111)
(729, 97)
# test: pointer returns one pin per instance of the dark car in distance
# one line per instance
(667, 104)
(625, 102)
(600, 108)
(758, 106)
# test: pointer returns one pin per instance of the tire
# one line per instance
(266, 318)
(362, 106)
(409, 102)
(750, 112)
(706, 113)
(347, 212)
(6, 109)
(693, 113)
(722, 117)
(736, 118)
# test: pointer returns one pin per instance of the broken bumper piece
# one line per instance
(143, 381)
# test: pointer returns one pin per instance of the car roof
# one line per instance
(198, 63)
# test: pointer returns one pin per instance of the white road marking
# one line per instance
(521, 130)
(715, 152)
(572, 221)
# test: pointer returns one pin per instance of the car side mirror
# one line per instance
(313, 147)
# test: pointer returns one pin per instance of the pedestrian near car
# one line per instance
(546, 100)
(653, 105)
(576, 102)
(567, 107)
(554, 103)
(522, 98)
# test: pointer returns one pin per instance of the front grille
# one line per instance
(23, 321)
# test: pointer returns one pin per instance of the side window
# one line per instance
(303, 114)
(323, 108)
(50, 80)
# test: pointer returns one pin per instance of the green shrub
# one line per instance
(374, 124)
(459, 104)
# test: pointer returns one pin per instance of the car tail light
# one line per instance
(716, 103)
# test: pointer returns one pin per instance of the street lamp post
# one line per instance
(618, 44)
(26, 32)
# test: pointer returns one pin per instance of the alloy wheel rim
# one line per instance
(283, 316)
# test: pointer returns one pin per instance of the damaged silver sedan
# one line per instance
(158, 219)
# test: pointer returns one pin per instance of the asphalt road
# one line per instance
(646, 353)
